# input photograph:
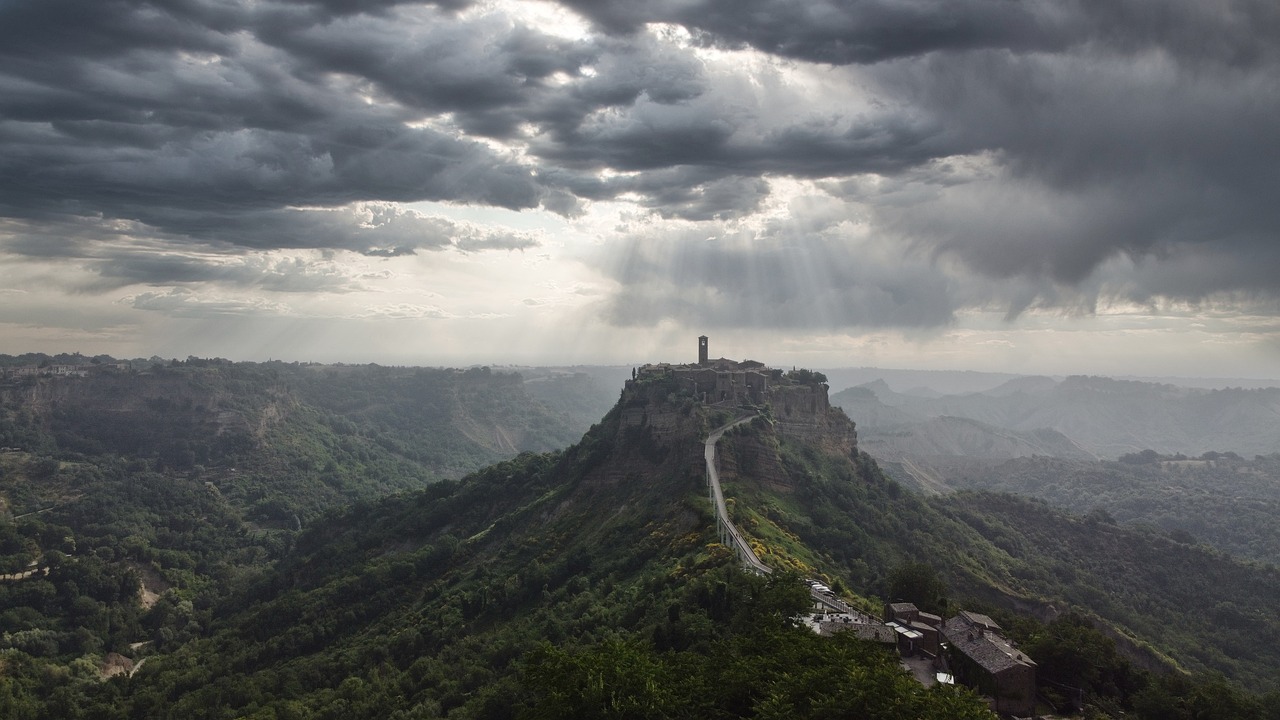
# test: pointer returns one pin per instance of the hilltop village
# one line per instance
(797, 400)
(729, 383)
(61, 370)
(969, 648)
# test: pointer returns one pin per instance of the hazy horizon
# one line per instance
(899, 379)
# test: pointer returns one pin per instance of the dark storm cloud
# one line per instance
(1148, 142)
(842, 32)
(288, 275)
(487, 70)
(1132, 129)
(196, 118)
(1101, 157)
(377, 230)
(172, 115)
(231, 110)
(1113, 134)
(113, 253)
(685, 192)
(254, 168)
(675, 194)
(352, 7)
(107, 28)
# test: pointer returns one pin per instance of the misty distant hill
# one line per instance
(282, 441)
(1104, 417)
(959, 382)
(953, 436)
(944, 382)
(582, 394)
(1041, 437)
(1224, 501)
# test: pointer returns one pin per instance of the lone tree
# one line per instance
(919, 583)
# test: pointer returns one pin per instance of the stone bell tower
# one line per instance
(702, 350)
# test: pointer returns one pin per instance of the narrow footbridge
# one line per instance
(729, 535)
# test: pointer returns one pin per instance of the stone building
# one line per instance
(984, 659)
(718, 382)
(872, 631)
(919, 632)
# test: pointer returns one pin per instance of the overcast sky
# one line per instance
(1056, 186)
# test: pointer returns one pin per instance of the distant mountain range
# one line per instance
(286, 439)
(959, 382)
(1200, 464)
(1093, 415)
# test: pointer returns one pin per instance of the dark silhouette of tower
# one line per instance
(702, 350)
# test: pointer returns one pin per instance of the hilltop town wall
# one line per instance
(660, 395)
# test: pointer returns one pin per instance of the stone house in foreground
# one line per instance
(983, 658)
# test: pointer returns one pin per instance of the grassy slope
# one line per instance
(1195, 608)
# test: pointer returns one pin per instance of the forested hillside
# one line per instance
(584, 582)
(1219, 499)
(283, 441)
(842, 517)
(132, 500)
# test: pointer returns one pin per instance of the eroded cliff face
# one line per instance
(753, 453)
(805, 412)
(653, 431)
(658, 425)
(130, 413)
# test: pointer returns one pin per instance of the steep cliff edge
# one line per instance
(673, 407)
(148, 414)
(804, 412)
